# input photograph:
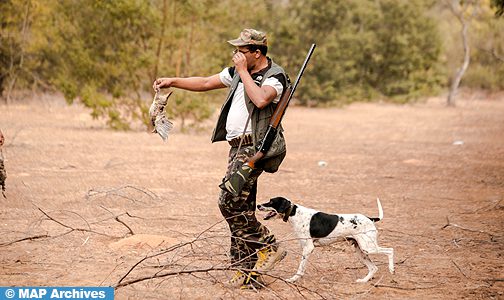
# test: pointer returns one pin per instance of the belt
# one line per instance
(247, 141)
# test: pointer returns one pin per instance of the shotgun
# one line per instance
(234, 184)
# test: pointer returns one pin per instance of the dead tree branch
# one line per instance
(125, 225)
(72, 229)
(122, 283)
(30, 238)
(158, 275)
(169, 249)
(407, 288)
(460, 270)
(494, 280)
(448, 224)
(115, 192)
(495, 205)
(116, 217)
(191, 258)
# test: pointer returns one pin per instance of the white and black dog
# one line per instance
(315, 228)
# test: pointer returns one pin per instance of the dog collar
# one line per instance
(288, 213)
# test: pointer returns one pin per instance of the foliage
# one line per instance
(487, 67)
(103, 61)
(499, 7)
(486, 37)
(366, 49)
(13, 40)
(189, 107)
(106, 54)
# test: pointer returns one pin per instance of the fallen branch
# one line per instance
(122, 283)
(186, 263)
(125, 225)
(160, 274)
(116, 217)
(407, 233)
(494, 279)
(490, 207)
(459, 269)
(169, 249)
(30, 238)
(62, 224)
(72, 229)
(448, 224)
(115, 192)
(407, 288)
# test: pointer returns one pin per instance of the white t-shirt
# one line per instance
(238, 113)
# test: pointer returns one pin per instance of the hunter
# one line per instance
(255, 86)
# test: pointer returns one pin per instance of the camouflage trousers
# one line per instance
(247, 234)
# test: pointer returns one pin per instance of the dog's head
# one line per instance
(278, 206)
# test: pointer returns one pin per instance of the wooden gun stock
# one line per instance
(281, 107)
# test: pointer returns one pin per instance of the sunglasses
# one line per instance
(238, 50)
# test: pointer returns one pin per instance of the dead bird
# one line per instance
(159, 121)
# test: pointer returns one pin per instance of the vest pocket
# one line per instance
(275, 155)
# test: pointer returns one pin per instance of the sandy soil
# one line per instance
(85, 204)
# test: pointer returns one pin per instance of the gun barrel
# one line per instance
(285, 100)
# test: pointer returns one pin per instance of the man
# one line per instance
(255, 85)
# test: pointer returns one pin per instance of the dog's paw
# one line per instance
(362, 280)
(293, 279)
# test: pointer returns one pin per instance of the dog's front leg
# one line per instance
(307, 246)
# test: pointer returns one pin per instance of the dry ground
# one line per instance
(76, 192)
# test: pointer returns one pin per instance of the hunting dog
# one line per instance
(315, 228)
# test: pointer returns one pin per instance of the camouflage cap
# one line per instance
(250, 37)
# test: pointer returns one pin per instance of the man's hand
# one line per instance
(240, 62)
(162, 83)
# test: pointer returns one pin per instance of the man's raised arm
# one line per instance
(195, 84)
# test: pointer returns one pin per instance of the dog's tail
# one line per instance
(380, 212)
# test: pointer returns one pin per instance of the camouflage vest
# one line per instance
(259, 121)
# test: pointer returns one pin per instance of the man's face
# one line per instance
(251, 57)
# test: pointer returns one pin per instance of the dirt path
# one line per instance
(76, 191)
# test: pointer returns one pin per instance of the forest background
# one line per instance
(106, 54)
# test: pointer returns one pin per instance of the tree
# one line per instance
(366, 49)
(465, 12)
(499, 7)
(15, 23)
(105, 54)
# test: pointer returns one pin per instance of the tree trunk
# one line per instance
(458, 9)
(460, 73)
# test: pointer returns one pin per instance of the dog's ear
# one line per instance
(286, 204)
